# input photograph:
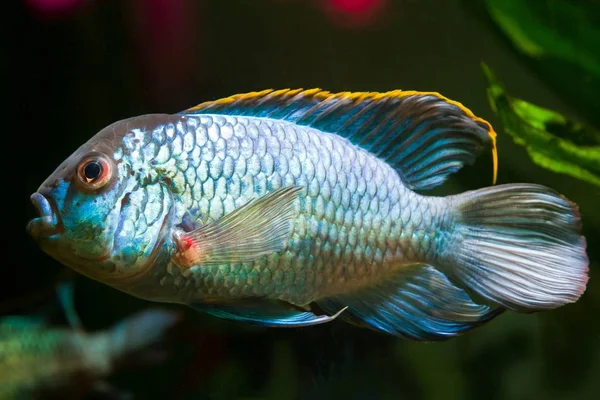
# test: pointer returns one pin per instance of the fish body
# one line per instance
(259, 206)
(38, 361)
(354, 218)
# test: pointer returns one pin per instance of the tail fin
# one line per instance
(519, 246)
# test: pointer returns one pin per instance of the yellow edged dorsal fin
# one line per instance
(424, 135)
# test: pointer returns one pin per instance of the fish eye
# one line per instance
(94, 171)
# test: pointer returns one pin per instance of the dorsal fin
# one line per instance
(424, 135)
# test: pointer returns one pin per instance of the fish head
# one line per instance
(98, 211)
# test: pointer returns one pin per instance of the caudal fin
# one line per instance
(519, 246)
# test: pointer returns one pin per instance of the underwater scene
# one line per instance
(306, 199)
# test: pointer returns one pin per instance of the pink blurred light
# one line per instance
(355, 13)
(167, 46)
(354, 6)
(53, 6)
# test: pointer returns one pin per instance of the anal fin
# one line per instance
(268, 313)
(419, 303)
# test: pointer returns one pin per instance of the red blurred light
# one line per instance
(168, 44)
(354, 6)
(355, 13)
(52, 6)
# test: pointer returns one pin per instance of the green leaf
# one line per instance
(540, 28)
(552, 140)
(560, 40)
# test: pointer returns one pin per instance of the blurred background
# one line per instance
(83, 64)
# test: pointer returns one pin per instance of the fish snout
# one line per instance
(47, 223)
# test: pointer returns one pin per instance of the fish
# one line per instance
(38, 360)
(296, 207)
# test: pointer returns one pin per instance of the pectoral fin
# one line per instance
(268, 313)
(261, 226)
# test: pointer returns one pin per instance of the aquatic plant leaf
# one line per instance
(533, 29)
(552, 140)
(560, 39)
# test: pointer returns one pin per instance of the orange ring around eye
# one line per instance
(94, 171)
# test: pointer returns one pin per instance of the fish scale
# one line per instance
(323, 241)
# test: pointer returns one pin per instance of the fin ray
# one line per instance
(259, 227)
(397, 125)
(267, 313)
(66, 298)
(420, 304)
(519, 246)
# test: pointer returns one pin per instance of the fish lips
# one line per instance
(48, 223)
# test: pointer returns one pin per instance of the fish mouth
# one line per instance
(48, 223)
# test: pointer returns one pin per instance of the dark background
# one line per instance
(92, 62)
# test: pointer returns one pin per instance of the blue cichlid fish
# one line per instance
(294, 207)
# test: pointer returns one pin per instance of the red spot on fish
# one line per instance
(186, 243)
(188, 253)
